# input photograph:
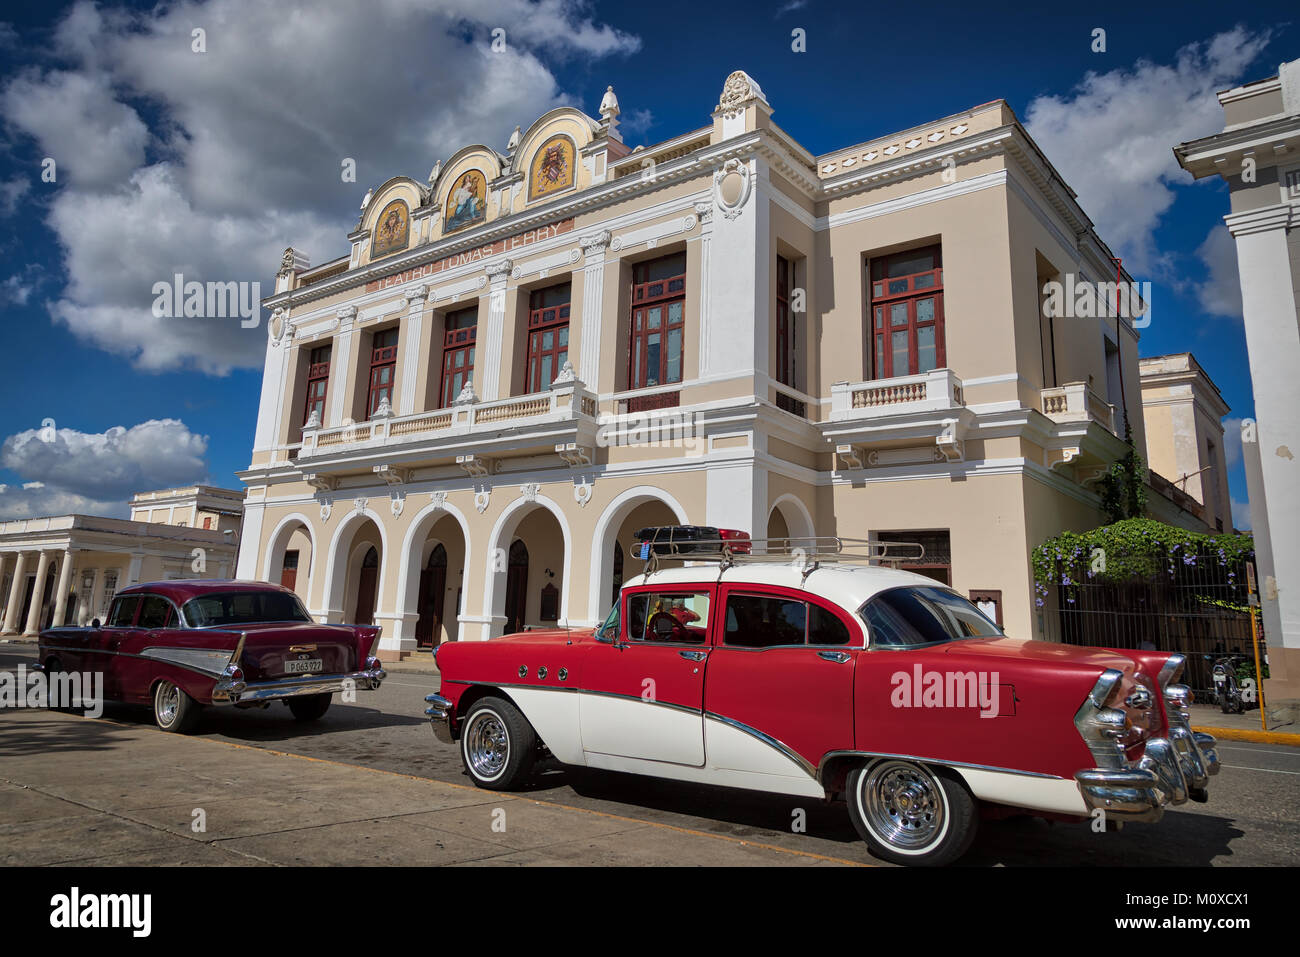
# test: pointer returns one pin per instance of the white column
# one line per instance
(593, 294)
(705, 213)
(4, 598)
(65, 582)
(97, 590)
(133, 572)
(487, 363)
(250, 543)
(735, 304)
(271, 406)
(416, 297)
(340, 365)
(16, 594)
(1273, 344)
(34, 616)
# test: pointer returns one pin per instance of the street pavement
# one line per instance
(369, 784)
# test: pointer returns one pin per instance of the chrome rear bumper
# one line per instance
(440, 714)
(1172, 770)
(228, 691)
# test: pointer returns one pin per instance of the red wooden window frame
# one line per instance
(896, 300)
(660, 293)
(784, 323)
(318, 377)
(548, 316)
(460, 334)
(383, 367)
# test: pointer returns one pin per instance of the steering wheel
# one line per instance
(665, 627)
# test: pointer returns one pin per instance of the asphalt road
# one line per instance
(1252, 817)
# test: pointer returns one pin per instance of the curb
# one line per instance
(1256, 737)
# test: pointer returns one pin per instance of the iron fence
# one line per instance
(1197, 607)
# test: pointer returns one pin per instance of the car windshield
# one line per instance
(904, 617)
(243, 607)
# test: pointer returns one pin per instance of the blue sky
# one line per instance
(168, 161)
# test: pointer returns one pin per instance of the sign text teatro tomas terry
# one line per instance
(540, 234)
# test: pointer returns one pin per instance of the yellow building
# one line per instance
(718, 329)
(65, 569)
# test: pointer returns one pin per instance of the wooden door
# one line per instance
(433, 590)
(516, 587)
(366, 587)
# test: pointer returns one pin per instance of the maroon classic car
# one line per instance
(800, 669)
(180, 645)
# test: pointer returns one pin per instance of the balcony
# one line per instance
(933, 391)
(523, 424)
(1076, 402)
(906, 420)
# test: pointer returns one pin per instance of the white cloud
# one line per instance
(1220, 294)
(635, 122)
(1241, 515)
(239, 152)
(15, 290)
(12, 190)
(105, 467)
(41, 500)
(1112, 137)
(94, 139)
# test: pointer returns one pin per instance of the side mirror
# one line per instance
(94, 623)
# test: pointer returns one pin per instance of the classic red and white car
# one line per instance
(827, 678)
(180, 645)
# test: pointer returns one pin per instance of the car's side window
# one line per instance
(122, 614)
(609, 630)
(825, 628)
(680, 617)
(771, 621)
(155, 612)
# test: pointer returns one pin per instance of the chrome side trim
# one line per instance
(830, 755)
(805, 765)
(207, 672)
(207, 660)
(698, 712)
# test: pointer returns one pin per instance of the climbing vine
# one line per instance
(1129, 550)
(1123, 488)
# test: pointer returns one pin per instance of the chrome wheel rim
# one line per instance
(487, 745)
(903, 805)
(167, 703)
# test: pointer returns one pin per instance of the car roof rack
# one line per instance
(806, 553)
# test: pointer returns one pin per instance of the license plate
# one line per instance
(303, 666)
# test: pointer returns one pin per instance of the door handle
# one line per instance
(838, 657)
(694, 655)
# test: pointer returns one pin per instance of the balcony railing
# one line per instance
(558, 405)
(931, 391)
(1076, 402)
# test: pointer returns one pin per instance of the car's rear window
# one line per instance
(243, 607)
(918, 615)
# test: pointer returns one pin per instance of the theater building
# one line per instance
(721, 329)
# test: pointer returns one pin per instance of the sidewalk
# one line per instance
(419, 663)
(1243, 727)
(98, 792)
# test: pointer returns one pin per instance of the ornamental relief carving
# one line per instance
(732, 185)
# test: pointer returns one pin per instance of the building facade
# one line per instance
(1183, 412)
(65, 569)
(718, 329)
(1258, 155)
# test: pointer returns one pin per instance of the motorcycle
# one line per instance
(1233, 694)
